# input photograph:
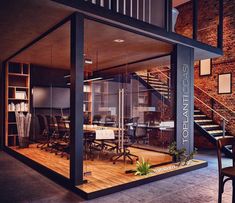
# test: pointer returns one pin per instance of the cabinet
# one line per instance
(17, 97)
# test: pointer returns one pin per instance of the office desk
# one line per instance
(93, 128)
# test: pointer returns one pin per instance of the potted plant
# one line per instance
(187, 158)
(180, 155)
(143, 168)
(176, 153)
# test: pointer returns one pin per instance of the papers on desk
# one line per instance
(164, 125)
(103, 134)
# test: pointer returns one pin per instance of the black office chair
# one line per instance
(63, 140)
(110, 120)
(227, 173)
(86, 118)
(96, 119)
(63, 130)
(52, 125)
(129, 140)
(54, 136)
(43, 140)
(141, 135)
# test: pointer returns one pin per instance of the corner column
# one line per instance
(76, 99)
(2, 102)
(183, 79)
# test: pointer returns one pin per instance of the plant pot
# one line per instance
(175, 159)
(23, 142)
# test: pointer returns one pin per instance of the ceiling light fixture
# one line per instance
(119, 40)
(67, 76)
(93, 79)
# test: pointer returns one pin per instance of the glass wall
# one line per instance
(128, 103)
(128, 106)
(41, 91)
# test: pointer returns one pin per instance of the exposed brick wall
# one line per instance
(207, 25)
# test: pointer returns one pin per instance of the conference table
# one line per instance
(94, 128)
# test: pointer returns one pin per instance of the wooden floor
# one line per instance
(104, 174)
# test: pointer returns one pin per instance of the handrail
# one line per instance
(214, 99)
(161, 73)
(211, 109)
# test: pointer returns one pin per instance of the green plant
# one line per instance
(186, 158)
(176, 153)
(180, 155)
(143, 167)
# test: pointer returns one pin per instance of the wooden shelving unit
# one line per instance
(17, 82)
(87, 102)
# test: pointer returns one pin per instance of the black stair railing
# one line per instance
(163, 76)
(215, 109)
(159, 75)
(222, 118)
(149, 11)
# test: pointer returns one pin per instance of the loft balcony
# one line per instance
(174, 21)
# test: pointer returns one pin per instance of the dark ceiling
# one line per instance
(54, 49)
(21, 21)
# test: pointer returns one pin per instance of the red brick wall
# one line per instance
(207, 23)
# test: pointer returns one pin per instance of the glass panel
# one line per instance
(49, 99)
(131, 114)
(182, 18)
(208, 24)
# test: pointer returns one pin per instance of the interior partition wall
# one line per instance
(130, 96)
(1, 105)
(37, 87)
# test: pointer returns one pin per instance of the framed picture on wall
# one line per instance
(225, 83)
(205, 67)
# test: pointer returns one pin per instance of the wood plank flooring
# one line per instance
(104, 174)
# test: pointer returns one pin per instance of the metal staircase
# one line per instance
(157, 85)
(211, 126)
(152, 82)
(210, 118)
(210, 129)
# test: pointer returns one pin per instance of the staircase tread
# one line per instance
(159, 85)
(203, 120)
(162, 90)
(209, 126)
(166, 93)
(223, 137)
(214, 131)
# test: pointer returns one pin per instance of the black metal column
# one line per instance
(76, 99)
(221, 25)
(195, 19)
(1, 105)
(183, 80)
(168, 15)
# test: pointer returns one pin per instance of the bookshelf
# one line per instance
(87, 102)
(17, 97)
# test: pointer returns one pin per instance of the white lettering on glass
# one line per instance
(185, 91)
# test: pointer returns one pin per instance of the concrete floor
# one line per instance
(19, 183)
